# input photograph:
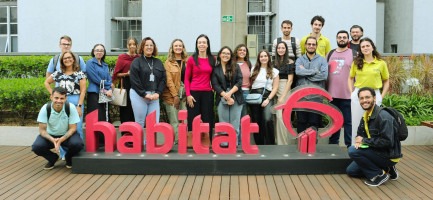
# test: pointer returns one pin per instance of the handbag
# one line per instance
(255, 98)
(119, 95)
(103, 98)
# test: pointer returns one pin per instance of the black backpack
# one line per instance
(402, 131)
(48, 107)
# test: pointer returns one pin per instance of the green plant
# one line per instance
(414, 108)
(22, 96)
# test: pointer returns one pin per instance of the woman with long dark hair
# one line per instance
(264, 77)
(200, 97)
(227, 81)
(368, 70)
(286, 68)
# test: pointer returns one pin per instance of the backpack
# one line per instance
(354, 54)
(56, 59)
(402, 131)
(48, 107)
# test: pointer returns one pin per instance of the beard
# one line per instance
(342, 45)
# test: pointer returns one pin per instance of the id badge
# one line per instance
(152, 77)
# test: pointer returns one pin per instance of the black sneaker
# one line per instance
(49, 165)
(377, 180)
(393, 173)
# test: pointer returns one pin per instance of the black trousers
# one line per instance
(203, 106)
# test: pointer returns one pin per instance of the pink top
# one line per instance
(339, 68)
(197, 78)
(246, 73)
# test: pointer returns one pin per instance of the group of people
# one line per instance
(201, 81)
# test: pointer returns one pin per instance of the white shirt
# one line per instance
(260, 81)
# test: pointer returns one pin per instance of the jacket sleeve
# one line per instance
(170, 83)
(216, 85)
(304, 71)
(118, 68)
(92, 73)
(238, 78)
(385, 137)
(134, 77)
(188, 75)
(162, 82)
(322, 75)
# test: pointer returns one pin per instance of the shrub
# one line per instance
(414, 108)
(22, 96)
(36, 66)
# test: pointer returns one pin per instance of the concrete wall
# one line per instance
(422, 15)
(165, 20)
(234, 33)
(399, 25)
(380, 26)
(42, 22)
(338, 14)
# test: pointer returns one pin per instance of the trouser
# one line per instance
(366, 163)
(357, 110)
(42, 147)
(282, 135)
(172, 115)
(344, 106)
(143, 107)
(244, 111)
(230, 114)
(263, 117)
(203, 106)
(74, 99)
(92, 104)
(125, 112)
(307, 119)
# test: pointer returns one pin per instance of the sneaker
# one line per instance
(377, 180)
(49, 165)
(69, 166)
(393, 173)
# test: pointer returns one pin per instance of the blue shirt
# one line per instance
(59, 121)
(97, 72)
(50, 67)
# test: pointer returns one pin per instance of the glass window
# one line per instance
(14, 29)
(14, 15)
(3, 14)
(14, 43)
(3, 46)
(3, 29)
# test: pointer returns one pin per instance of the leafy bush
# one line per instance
(36, 66)
(414, 108)
(22, 96)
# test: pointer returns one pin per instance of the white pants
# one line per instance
(282, 135)
(358, 112)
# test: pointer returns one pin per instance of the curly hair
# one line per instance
(359, 60)
(171, 55)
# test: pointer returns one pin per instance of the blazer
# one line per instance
(219, 83)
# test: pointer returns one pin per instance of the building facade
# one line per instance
(36, 25)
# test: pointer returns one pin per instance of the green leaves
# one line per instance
(414, 108)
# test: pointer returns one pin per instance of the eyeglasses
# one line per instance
(311, 44)
(341, 37)
(225, 53)
(67, 58)
(99, 50)
(66, 44)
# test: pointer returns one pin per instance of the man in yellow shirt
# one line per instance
(323, 44)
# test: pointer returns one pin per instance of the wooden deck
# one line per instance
(22, 177)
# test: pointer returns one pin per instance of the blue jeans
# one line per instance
(42, 147)
(230, 114)
(142, 107)
(366, 163)
(74, 100)
(345, 108)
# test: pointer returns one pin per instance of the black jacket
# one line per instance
(219, 83)
(140, 76)
(383, 129)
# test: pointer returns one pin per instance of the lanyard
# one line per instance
(150, 65)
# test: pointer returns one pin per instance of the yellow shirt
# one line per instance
(323, 45)
(372, 74)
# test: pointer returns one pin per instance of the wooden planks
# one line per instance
(22, 177)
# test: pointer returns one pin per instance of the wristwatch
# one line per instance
(79, 105)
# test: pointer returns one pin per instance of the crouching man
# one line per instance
(377, 148)
(57, 127)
